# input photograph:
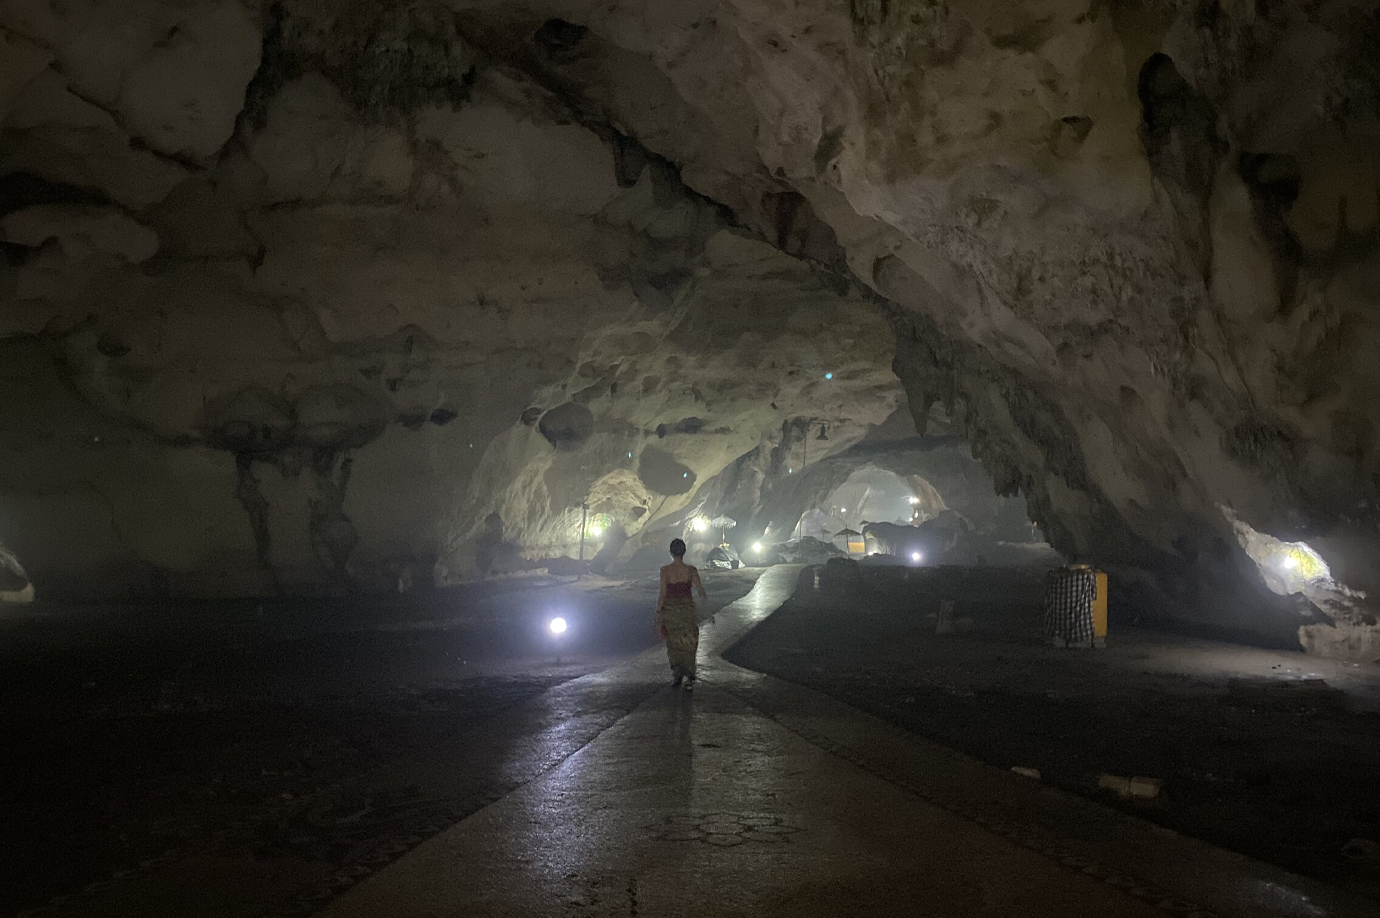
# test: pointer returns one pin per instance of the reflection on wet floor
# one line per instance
(613, 794)
(285, 750)
(882, 821)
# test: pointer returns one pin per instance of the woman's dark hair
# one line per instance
(678, 548)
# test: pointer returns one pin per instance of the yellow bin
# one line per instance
(1100, 611)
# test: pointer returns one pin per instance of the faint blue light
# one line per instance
(629, 455)
(828, 375)
(684, 474)
(790, 471)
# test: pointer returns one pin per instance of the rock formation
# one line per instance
(329, 295)
(15, 586)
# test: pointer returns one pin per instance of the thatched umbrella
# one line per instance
(724, 523)
(848, 536)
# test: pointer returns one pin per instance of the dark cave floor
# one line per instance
(1252, 757)
(285, 740)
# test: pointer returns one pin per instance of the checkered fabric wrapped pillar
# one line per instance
(1069, 598)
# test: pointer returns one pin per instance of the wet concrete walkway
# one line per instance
(754, 797)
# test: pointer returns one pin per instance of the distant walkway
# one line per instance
(754, 797)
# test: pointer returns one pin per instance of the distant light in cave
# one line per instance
(1300, 562)
(629, 455)
(558, 626)
(828, 375)
(917, 557)
(596, 530)
(1286, 567)
(757, 547)
(790, 471)
(684, 474)
(699, 524)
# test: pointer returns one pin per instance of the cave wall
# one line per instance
(768, 489)
(333, 307)
(1132, 245)
(275, 267)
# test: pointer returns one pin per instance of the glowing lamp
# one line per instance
(757, 547)
(557, 626)
(916, 556)
(699, 524)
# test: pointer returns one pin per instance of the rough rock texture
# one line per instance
(769, 489)
(14, 583)
(414, 309)
(323, 293)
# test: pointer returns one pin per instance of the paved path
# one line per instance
(754, 798)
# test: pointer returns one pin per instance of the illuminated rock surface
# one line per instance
(315, 294)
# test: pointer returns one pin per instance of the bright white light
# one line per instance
(790, 471)
(629, 455)
(1288, 567)
(596, 530)
(757, 546)
(557, 626)
(843, 509)
(915, 500)
(916, 557)
(699, 524)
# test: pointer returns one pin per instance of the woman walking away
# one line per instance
(675, 615)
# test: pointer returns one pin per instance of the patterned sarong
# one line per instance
(682, 632)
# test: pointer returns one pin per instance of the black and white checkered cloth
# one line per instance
(1069, 598)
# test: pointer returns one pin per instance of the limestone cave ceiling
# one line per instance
(299, 294)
